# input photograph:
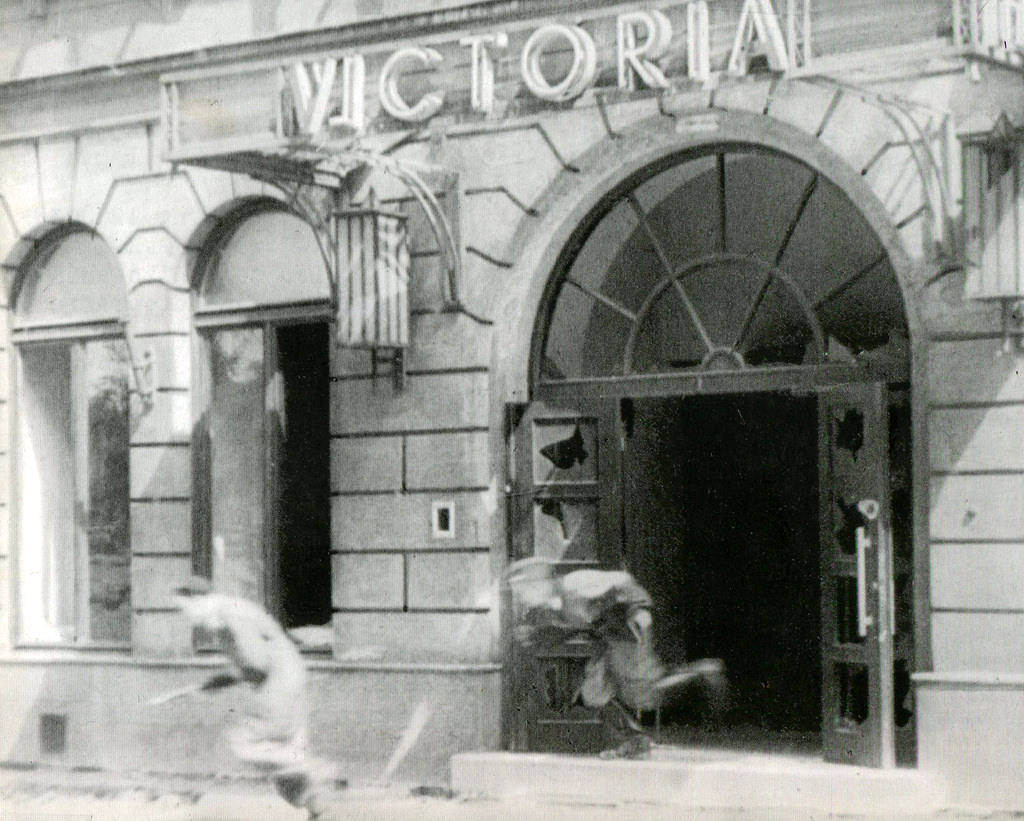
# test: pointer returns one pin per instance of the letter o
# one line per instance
(428, 105)
(579, 76)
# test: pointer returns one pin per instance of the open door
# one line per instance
(566, 507)
(858, 608)
(262, 468)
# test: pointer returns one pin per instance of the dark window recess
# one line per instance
(53, 731)
(304, 502)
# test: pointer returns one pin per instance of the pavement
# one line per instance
(48, 795)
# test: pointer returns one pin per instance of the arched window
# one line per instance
(73, 380)
(262, 455)
(732, 259)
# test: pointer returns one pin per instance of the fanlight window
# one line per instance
(736, 258)
(270, 258)
(74, 377)
(72, 281)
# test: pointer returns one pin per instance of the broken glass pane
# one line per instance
(565, 451)
(565, 530)
(561, 679)
(846, 611)
(848, 518)
(848, 431)
(852, 681)
(903, 697)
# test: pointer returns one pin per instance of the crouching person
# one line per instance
(272, 736)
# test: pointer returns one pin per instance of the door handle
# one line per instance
(870, 509)
(863, 619)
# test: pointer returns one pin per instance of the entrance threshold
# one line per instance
(804, 745)
(698, 778)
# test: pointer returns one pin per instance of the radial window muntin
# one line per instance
(818, 280)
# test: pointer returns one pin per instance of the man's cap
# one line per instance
(196, 586)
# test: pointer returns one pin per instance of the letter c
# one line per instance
(428, 105)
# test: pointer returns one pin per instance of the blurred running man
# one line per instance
(625, 676)
(272, 735)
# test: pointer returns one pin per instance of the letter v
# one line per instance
(311, 96)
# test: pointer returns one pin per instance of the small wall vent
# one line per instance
(53, 731)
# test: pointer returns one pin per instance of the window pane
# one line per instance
(106, 381)
(236, 461)
(565, 451)
(46, 555)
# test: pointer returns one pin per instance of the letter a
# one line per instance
(758, 18)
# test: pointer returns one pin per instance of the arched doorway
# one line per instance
(724, 336)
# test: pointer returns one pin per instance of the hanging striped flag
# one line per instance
(373, 278)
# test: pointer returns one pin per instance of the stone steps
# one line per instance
(693, 778)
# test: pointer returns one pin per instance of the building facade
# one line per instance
(365, 304)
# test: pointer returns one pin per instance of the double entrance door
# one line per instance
(808, 597)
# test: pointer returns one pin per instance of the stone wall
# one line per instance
(971, 701)
(969, 706)
(357, 716)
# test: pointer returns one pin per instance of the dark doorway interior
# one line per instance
(721, 500)
(304, 477)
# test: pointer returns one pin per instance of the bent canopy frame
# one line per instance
(315, 176)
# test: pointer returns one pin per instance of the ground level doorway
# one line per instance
(720, 385)
(771, 529)
(721, 526)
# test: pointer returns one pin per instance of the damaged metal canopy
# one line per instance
(340, 166)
